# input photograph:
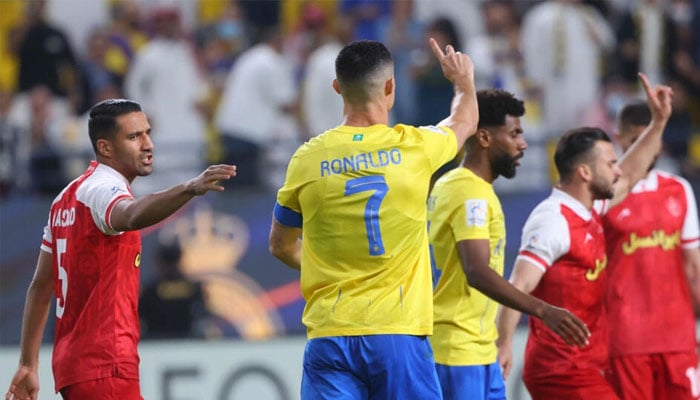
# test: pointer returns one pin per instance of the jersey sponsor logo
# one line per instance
(117, 189)
(361, 162)
(593, 274)
(657, 238)
(63, 217)
(476, 212)
(137, 260)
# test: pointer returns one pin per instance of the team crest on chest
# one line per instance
(137, 260)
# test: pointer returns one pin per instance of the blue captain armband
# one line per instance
(287, 216)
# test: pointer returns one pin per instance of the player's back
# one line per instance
(362, 194)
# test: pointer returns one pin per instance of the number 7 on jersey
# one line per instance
(377, 184)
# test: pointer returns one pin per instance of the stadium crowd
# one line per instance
(216, 76)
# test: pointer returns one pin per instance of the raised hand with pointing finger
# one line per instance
(459, 69)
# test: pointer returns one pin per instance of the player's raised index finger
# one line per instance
(645, 82)
(436, 48)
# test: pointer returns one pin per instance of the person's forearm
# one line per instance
(636, 161)
(464, 112)
(153, 208)
(292, 259)
(36, 312)
(496, 287)
(506, 323)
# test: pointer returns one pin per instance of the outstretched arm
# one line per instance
(464, 113)
(25, 382)
(639, 157)
(133, 214)
(475, 254)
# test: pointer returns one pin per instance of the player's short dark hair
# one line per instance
(357, 62)
(575, 147)
(635, 114)
(103, 118)
(495, 105)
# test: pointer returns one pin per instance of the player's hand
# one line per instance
(457, 67)
(658, 98)
(505, 357)
(210, 179)
(565, 324)
(24, 385)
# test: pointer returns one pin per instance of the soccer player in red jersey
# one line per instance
(90, 257)
(562, 257)
(652, 242)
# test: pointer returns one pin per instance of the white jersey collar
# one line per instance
(562, 197)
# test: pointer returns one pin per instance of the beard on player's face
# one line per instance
(602, 189)
(506, 166)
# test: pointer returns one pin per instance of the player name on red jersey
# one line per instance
(63, 217)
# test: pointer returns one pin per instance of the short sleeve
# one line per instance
(545, 239)
(471, 220)
(440, 145)
(100, 196)
(47, 238)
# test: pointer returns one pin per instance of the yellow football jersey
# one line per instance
(359, 193)
(462, 206)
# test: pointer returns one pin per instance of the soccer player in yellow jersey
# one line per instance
(352, 217)
(467, 241)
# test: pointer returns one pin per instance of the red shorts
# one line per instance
(579, 385)
(111, 388)
(662, 376)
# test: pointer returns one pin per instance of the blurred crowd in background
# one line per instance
(247, 81)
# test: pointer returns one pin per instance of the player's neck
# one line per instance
(109, 163)
(481, 169)
(578, 191)
(365, 114)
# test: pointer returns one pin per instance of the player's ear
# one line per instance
(104, 148)
(484, 137)
(585, 172)
(389, 86)
(336, 86)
